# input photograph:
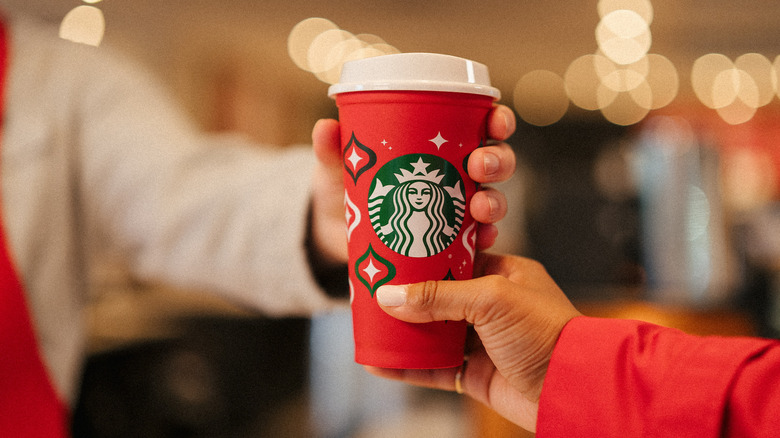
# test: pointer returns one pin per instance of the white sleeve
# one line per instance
(211, 213)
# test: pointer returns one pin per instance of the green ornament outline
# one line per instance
(390, 270)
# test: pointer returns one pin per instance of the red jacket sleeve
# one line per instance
(620, 378)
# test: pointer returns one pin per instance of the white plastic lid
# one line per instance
(415, 71)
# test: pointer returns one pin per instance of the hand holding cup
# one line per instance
(408, 126)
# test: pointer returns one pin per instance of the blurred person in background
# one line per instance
(96, 157)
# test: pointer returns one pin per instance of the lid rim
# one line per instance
(415, 72)
(447, 87)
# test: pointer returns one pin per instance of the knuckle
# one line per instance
(427, 295)
(488, 304)
(535, 266)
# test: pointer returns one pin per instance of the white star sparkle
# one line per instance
(371, 270)
(354, 158)
(438, 140)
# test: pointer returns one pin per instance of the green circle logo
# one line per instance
(416, 204)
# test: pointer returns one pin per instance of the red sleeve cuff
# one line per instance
(621, 378)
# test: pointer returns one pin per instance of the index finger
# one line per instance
(326, 141)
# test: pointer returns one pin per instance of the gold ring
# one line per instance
(459, 375)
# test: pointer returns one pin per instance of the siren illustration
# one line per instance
(417, 211)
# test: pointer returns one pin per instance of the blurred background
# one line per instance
(649, 146)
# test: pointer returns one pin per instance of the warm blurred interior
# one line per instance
(649, 145)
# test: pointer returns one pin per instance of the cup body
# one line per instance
(407, 193)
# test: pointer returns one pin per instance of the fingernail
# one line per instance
(490, 163)
(492, 206)
(507, 120)
(391, 296)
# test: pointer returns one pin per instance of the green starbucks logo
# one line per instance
(416, 204)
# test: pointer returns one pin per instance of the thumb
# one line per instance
(427, 301)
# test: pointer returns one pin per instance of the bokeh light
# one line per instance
(332, 60)
(628, 108)
(594, 82)
(735, 89)
(370, 38)
(83, 24)
(734, 84)
(540, 98)
(623, 36)
(737, 112)
(623, 79)
(642, 7)
(583, 81)
(663, 79)
(703, 74)
(324, 53)
(302, 36)
(319, 46)
(642, 95)
(383, 48)
(759, 69)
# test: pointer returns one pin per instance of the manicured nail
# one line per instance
(490, 163)
(391, 296)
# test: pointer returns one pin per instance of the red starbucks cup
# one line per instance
(408, 125)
